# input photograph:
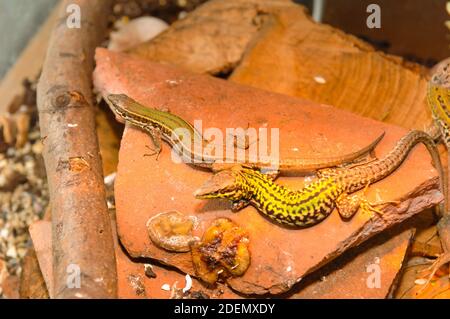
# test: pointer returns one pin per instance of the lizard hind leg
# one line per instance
(368, 207)
(371, 208)
(155, 136)
(348, 205)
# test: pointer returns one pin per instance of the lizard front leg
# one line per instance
(239, 204)
(348, 205)
(242, 139)
(155, 136)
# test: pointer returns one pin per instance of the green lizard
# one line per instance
(438, 97)
(316, 201)
(165, 126)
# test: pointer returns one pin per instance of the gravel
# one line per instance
(24, 192)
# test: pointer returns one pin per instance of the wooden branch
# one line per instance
(81, 226)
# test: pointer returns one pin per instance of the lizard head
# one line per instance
(116, 103)
(228, 184)
(117, 99)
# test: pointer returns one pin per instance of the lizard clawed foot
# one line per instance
(368, 207)
(438, 263)
(238, 205)
(154, 152)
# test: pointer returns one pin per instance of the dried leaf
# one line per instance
(414, 277)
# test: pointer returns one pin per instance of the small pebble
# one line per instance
(320, 79)
(165, 287)
(420, 281)
(148, 268)
(188, 284)
(12, 252)
(4, 233)
(182, 15)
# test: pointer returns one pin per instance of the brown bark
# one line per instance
(81, 228)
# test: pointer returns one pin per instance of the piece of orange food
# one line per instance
(222, 252)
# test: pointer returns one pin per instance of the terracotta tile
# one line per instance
(132, 282)
(370, 271)
(280, 257)
(32, 283)
(345, 279)
(10, 287)
(9, 284)
(41, 235)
